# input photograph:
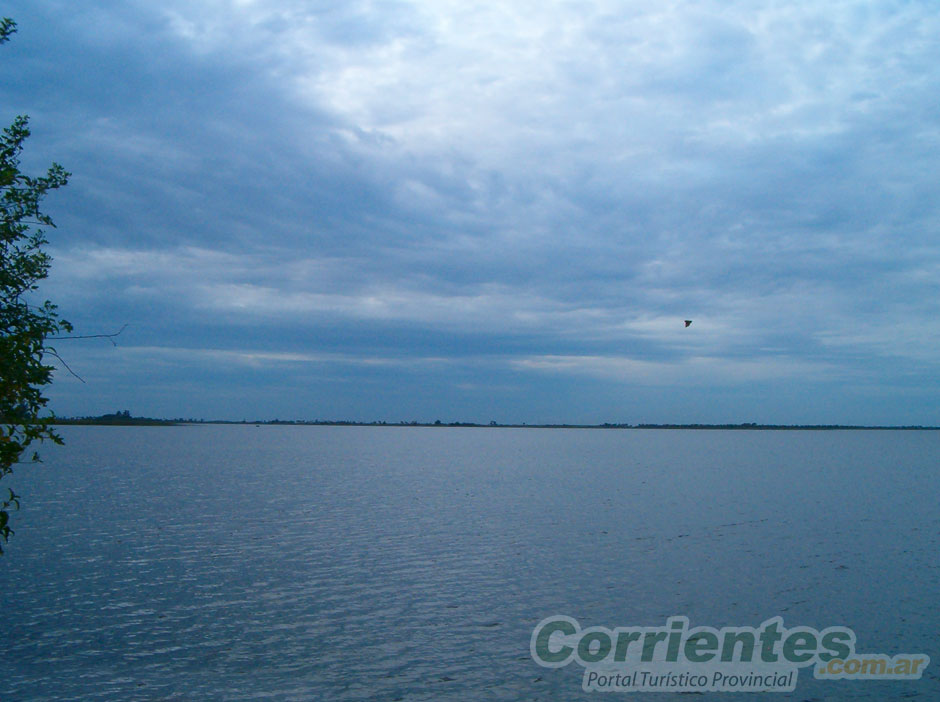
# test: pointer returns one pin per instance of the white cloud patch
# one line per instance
(257, 359)
(610, 81)
(692, 371)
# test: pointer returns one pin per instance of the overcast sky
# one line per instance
(438, 209)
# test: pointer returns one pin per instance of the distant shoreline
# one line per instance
(125, 420)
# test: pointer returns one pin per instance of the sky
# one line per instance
(493, 211)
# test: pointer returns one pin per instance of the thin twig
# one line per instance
(52, 352)
(109, 337)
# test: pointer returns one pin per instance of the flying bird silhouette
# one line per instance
(688, 322)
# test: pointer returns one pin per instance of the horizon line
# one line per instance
(126, 419)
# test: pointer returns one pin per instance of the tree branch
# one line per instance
(52, 352)
(109, 337)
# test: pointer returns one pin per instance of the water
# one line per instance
(388, 563)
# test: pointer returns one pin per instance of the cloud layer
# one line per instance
(397, 210)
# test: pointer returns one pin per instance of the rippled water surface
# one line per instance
(389, 563)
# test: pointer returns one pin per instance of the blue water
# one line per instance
(388, 563)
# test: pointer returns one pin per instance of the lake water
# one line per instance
(392, 563)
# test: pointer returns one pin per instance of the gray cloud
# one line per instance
(536, 193)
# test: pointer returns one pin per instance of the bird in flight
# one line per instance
(688, 322)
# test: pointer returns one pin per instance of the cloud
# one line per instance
(257, 358)
(690, 371)
(550, 186)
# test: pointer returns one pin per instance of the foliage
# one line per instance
(7, 27)
(24, 327)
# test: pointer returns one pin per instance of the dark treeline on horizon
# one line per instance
(125, 418)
